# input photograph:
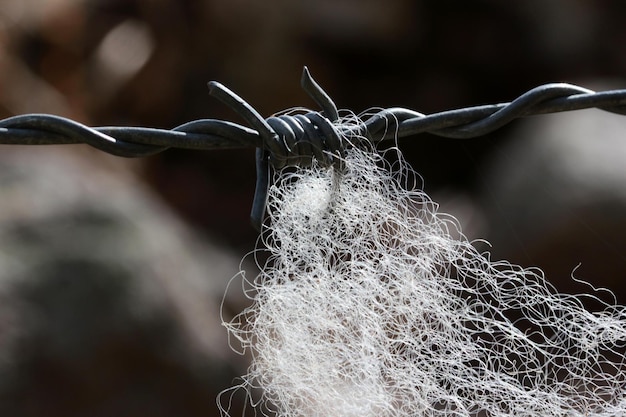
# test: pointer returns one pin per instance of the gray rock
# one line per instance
(555, 196)
(109, 305)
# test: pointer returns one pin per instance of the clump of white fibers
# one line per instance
(370, 304)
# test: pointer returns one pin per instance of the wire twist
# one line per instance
(287, 140)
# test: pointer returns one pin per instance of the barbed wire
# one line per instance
(297, 139)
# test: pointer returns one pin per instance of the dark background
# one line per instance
(147, 62)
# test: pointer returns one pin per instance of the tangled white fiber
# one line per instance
(372, 303)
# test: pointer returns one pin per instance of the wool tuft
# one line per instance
(372, 303)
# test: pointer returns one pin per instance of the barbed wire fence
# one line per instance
(296, 139)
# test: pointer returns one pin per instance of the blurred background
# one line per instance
(112, 270)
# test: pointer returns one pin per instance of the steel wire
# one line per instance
(298, 139)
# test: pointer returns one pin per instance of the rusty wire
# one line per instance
(298, 139)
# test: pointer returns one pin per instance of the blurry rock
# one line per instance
(556, 197)
(109, 306)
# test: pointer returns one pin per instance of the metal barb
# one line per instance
(318, 95)
(289, 140)
(286, 140)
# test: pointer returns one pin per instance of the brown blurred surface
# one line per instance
(146, 63)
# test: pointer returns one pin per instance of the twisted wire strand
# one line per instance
(298, 139)
(208, 134)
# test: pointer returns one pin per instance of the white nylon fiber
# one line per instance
(370, 304)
